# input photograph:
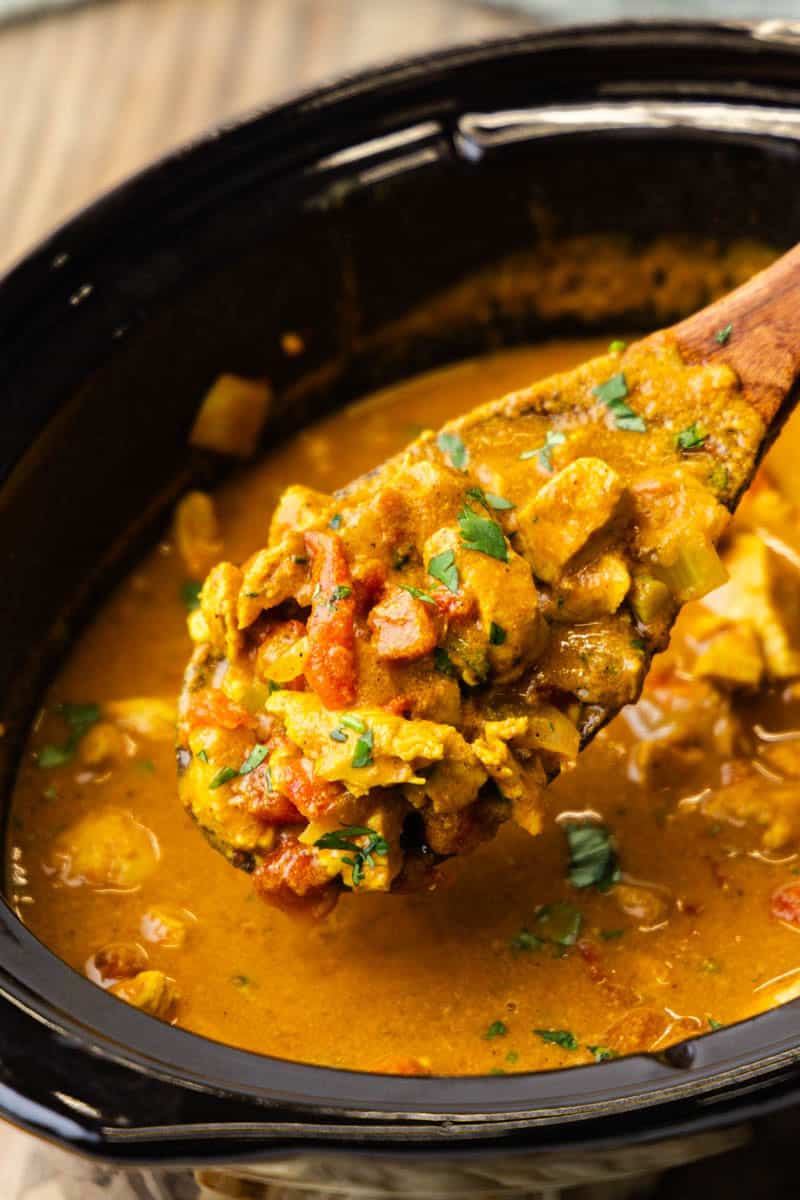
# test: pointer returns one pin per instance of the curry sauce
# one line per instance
(679, 913)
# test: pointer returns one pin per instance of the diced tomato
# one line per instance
(291, 878)
(370, 584)
(402, 625)
(331, 664)
(310, 796)
(268, 805)
(786, 903)
(212, 707)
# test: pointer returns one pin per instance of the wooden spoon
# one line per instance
(477, 607)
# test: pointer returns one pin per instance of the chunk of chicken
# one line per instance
(108, 848)
(565, 512)
(151, 991)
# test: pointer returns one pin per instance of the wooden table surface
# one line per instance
(91, 94)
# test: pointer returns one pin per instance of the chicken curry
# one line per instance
(660, 896)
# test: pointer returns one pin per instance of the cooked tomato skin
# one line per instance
(785, 904)
(212, 707)
(292, 879)
(269, 806)
(331, 665)
(307, 795)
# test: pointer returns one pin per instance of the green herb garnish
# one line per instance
(354, 723)
(481, 534)
(690, 438)
(592, 857)
(340, 592)
(79, 718)
(442, 662)
(497, 635)
(496, 1029)
(335, 521)
(545, 452)
(487, 499)
(722, 335)
(616, 347)
(602, 1053)
(525, 942)
(272, 686)
(443, 567)
(362, 755)
(512, 1057)
(338, 735)
(362, 855)
(241, 981)
(560, 923)
(613, 393)
(610, 935)
(559, 1037)
(418, 594)
(714, 1023)
(190, 594)
(254, 759)
(639, 643)
(223, 775)
(452, 445)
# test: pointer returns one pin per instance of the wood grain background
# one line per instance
(89, 95)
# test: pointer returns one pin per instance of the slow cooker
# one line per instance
(341, 214)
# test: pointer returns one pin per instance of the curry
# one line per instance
(407, 663)
(658, 900)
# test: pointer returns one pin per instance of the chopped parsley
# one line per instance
(592, 858)
(335, 521)
(418, 594)
(254, 759)
(560, 923)
(340, 592)
(354, 723)
(512, 1057)
(690, 438)
(362, 855)
(442, 662)
(202, 755)
(242, 981)
(443, 567)
(362, 755)
(487, 499)
(495, 1030)
(639, 643)
(616, 347)
(602, 1053)
(300, 559)
(272, 686)
(481, 534)
(558, 1037)
(223, 775)
(610, 935)
(338, 735)
(723, 335)
(190, 594)
(544, 453)
(452, 445)
(714, 1023)
(497, 635)
(525, 942)
(613, 393)
(79, 718)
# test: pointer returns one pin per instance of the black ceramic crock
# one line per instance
(336, 215)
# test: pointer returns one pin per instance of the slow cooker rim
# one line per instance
(321, 1089)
